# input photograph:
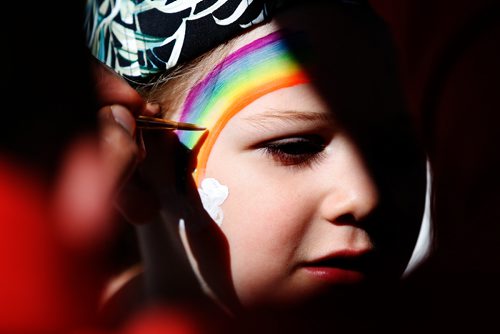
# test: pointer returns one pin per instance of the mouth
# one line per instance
(345, 267)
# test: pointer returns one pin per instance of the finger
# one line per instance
(111, 88)
(92, 172)
(118, 146)
(152, 109)
(121, 153)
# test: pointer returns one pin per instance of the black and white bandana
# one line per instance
(140, 38)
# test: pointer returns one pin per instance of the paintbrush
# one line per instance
(154, 123)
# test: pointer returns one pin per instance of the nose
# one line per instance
(350, 193)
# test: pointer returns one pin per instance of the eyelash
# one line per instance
(303, 151)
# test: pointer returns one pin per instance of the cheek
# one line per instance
(264, 224)
(264, 218)
(260, 205)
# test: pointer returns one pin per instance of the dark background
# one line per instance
(449, 56)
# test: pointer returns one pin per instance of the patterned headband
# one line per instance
(141, 38)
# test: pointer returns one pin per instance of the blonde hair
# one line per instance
(171, 89)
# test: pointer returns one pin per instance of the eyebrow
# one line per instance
(288, 116)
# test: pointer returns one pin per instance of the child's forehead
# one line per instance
(283, 103)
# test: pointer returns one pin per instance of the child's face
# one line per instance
(297, 187)
(304, 211)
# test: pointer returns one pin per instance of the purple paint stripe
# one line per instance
(228, 61)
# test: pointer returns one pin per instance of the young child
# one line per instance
(309, 167)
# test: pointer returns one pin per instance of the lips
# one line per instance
(342, 267)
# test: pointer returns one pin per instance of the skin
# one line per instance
(317, 196)
(294, 205)
(302, 207)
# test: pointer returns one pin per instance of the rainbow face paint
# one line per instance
(258, 68)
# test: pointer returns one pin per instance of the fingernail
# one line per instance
(123, 117)
(152, 109)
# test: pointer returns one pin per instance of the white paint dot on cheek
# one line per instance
(212, 195)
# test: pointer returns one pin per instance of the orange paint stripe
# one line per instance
(236, 106)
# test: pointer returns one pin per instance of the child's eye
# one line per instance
(295, 151)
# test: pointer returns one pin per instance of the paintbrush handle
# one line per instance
(154, 123)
